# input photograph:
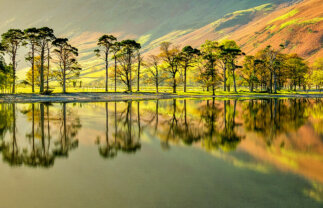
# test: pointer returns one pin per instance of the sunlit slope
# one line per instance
(148, 18)
(298, 26)
(145, 20)
(218, 17)
(217, 29)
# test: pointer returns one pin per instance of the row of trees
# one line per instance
(213, 65)
(42, 44)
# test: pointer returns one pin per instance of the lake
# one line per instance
(165, 153)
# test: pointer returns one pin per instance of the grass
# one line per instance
(311, 21)
(285, 16)
(301, 23)
(291, 22)
(190, 92)
(271, 27)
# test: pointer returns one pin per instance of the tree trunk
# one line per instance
(213, 79)
(64, 79)
(157, 80)
(42, 56)
(130, 74)
(33, 68)
(115, 73)
(275, 83)
(48, 63)
(138, 75)
(14, 73)
(174, 83)
(106, 70)
(271, 82)
(185, 78)
(234, 81)
(225, 78)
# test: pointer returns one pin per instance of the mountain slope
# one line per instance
(298, 26)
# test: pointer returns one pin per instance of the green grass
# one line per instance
(191, 91)
(285, 16)
(291, 22)
(310, 21)
(301, 23)
(271, 27)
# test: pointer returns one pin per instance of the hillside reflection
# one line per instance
(286, 133)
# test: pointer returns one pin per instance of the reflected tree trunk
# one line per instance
(48, 126)
(139, 126)
(115, 122)
(42, 126)
(14, 142)
(157, 115)
(33, 128)
(107, 123)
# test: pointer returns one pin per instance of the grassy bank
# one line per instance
(122, 96)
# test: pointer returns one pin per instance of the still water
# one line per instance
(166, 153)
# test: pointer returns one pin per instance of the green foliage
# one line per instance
(285, 16)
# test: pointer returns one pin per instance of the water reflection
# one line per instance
(52, 134)
(213, 148)
(285, 132)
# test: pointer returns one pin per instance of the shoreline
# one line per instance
(106, 97)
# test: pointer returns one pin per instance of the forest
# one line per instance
(216, 66)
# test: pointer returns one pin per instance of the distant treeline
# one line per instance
(214, 65)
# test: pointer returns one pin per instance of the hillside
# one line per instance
(298, 26)
(148, 21)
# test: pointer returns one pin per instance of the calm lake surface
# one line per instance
(166, 153)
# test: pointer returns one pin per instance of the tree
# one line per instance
(272, 62)
(297, 70)
(5, 73)
(209, 53)
(49, 48)
(249, 71)
(263, 72)
(115, 48)
(171, 57)
(11, 41)
(105, 43)
(317, 75)
(31, 35)
(231, 51)
(139, 61)
(153, 65)
(30, 76)
(187, 56)
(45, 35)
(66, 59)
(127, 54)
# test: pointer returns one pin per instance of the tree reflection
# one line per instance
(67, 132)
(272, 117)
(35, 149)
(224, 137)
(6, 119)
(10, 151)
(109, 150)
(126, 134)
(129, 140)
(210, 124)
